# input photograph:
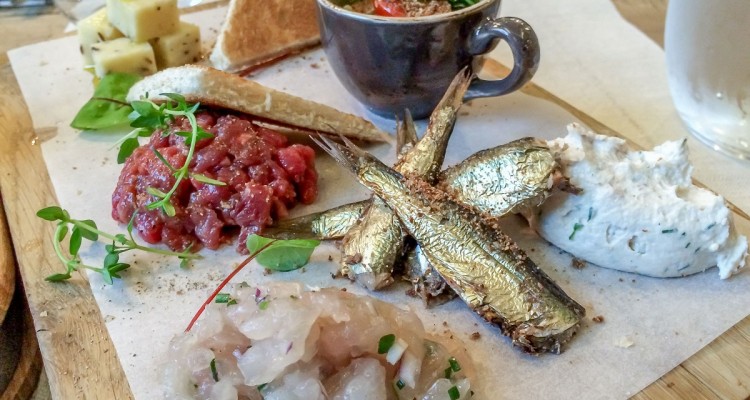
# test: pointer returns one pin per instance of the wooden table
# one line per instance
(78, 354)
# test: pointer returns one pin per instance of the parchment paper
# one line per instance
(666, 320)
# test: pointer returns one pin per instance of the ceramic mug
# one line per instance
(392, 64)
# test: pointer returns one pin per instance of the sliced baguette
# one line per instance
(257, 31)
(215, 88)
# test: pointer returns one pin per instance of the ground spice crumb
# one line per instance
(670, 384)
(598, 319)
(445, 323)
(475, 336)
(577, 263)
(267, 272)
(330, 257)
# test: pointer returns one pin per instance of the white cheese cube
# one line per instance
(141, 20)
(94, 29)
(178, 48)
(122, 55)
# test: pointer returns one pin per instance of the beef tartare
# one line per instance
(264, 176)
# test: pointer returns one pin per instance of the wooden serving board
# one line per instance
(78, 354)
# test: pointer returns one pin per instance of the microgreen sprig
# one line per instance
(148, 117)
(87, 229)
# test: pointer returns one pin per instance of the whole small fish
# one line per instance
(324, 225)
(505, 179)
(371, 248)
(481, 264)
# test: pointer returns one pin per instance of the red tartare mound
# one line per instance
(264, 176)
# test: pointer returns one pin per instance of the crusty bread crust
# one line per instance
(215, 88)
(256, 31)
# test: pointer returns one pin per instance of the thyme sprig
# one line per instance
(147, 118)
(87, 229)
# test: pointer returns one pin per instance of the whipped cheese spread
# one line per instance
(637, 211)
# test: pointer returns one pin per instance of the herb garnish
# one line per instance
(107, 108)
(454, 393)
(149, 117)
(214, 372)
(282, 255)
(455, 366)
(576, 227)
(225, 298)
(459, 4)
(87, 229)
(400, 384)
(385, 343)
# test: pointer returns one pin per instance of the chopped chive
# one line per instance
(455, 366)
(263, 304)
(385, 343)
(687, 245)
(261, 386)
(669, 230)
(222, 298)
(231, 302)
(400, 384)
(448, 373)
(591, 213)
(710, 226)
(576, 227)
(454, 393)
(214, 373)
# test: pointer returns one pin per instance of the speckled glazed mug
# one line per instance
(392, 64)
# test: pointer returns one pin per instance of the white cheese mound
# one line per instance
(637, 211)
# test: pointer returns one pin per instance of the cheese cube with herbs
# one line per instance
(94, 29)
(123, 55)
(178, 48)
(142, 20)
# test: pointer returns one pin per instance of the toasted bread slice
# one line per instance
(257, 31)
(215, 88)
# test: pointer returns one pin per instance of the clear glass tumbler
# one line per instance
(707, 46)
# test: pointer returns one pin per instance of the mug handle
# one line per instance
(524, 45)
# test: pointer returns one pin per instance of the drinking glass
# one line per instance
(707, 46)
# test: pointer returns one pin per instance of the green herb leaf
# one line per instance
(385, 343)
(61, 232)
(92, 236)
(455, 366)
(156, 192)
(126, 149)
(75, 241)
(107, 108)
(111, 259)
(205, 179)
(222, 298)
(57, 277)
(453, 393)
(52, 213)
(263, 305)
(576, 227)
(282, 255)
(214, 373)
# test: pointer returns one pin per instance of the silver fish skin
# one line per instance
(325, 225)
(481, 264)
(373, 246)
(506, 179)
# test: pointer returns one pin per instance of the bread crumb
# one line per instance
(598, 319)
(475, 336)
